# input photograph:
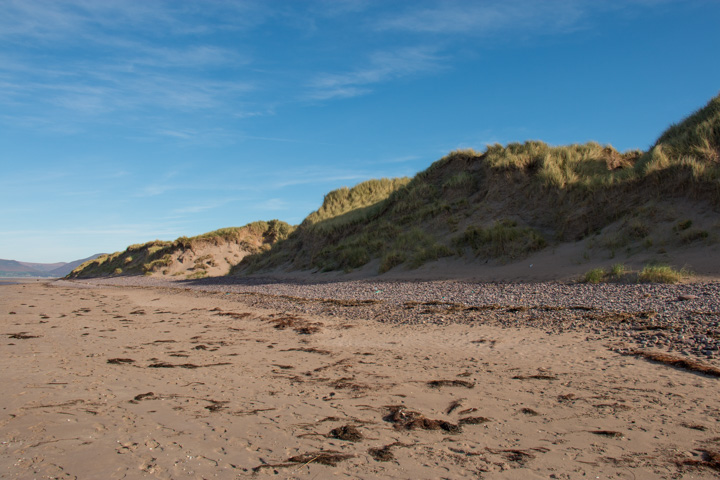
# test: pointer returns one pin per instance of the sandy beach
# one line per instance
(151, 380)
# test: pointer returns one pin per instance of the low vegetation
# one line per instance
(618, 272)
(653, 273)
(661, 274)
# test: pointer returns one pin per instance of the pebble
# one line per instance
(686, 316)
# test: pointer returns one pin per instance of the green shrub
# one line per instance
(155, 265)
(429, 253)
(660, 274)
(683, 225)
(637, 229)
(596, 275)
(694, 235)
(391, 260)
(618, 270)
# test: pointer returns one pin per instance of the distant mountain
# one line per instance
(13, 268)
(66, 268)
(43, 267)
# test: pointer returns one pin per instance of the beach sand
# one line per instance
(130, 382)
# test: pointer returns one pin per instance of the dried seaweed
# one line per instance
(21, 336)
(676, 361)
(301, 326)
(349, 303)
(540, 376)
(346, 383)
(454, 406)
(710, 459)
(144, 396)
(607, 433)
(567, 397)
(282, 323)
(404, 419)
(384, 453)
(233, 314)
(308, 350)
(614, 407)
(516, 455)
(346, 432)
(184, 365)
(473, 420)
(450, 383)
(308, 329)
(120, 361)
(215, 405)
(326, 457)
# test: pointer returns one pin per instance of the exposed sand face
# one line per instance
(204, 259)
(90, 393)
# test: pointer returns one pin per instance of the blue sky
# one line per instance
(124, 121)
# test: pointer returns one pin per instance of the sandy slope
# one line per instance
(246, 397)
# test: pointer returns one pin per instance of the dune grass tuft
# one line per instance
(661, 274)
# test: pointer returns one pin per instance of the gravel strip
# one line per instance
(684, 318)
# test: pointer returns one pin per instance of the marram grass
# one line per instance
(661, 274)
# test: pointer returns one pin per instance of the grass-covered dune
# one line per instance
(212, 253)
(509, 201)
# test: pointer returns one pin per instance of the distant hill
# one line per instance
(66, 268)
(509, 202)
(43, 267)
(209, 254)
(13, 268)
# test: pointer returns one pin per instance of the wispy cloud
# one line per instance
(156, 189)
(316, 176)
(381, 67)
(457, 18)
(272, 204)
(483, 18)
(50, 20)
(202, 206)
(114, 62)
